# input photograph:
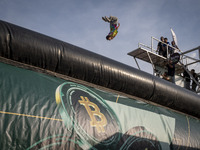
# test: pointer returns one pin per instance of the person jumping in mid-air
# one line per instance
(114, 25)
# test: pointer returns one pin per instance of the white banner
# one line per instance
(174, 37)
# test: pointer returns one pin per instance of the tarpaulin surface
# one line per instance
(34, 49)
(39, 111)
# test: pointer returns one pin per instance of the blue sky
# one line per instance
(79, 22)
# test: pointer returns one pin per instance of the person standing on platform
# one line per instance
(194, 85)
(166, 47)
(160, 46)
(171, 71)
(186, 77)
(175, 48)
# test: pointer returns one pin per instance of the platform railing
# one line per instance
(168, 46)
(154, 50)
(184, 59)
(144, 46)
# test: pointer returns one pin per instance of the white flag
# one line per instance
(174, 37)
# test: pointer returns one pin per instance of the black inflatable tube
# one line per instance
(29, 47)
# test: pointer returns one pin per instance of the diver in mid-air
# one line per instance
(114, 25)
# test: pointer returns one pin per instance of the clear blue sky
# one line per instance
(79, 22)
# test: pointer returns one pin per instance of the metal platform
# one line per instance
(153, 58)
(148, 54)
